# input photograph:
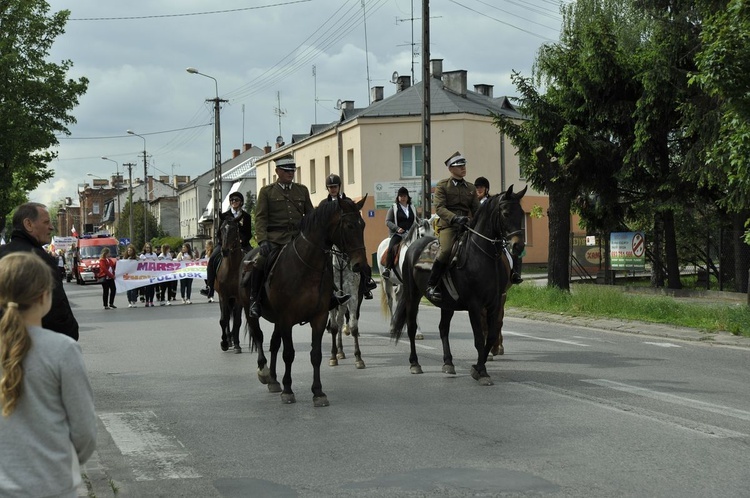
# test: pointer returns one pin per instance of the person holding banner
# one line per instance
(186, 284)
(107, 279)
(130, 253)
(149, 290)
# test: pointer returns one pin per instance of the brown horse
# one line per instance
(298, 289)
(228, 286)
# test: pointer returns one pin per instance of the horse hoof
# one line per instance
(490, 357)
(485, 381)
(264, 375)
(333, 362)
(346, 330)
(497, 351)
(274, 387)
(237, 349)
(360, 365)
(415, 369)
(341, 356)
(320, 401)
(288, 398)
(419, 336)
(449, 369)
(224, 346)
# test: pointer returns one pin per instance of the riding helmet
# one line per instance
(237, 194)
(482, 182)
(333, 180)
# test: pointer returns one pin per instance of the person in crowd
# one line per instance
(148, 254)
(162, 289)
(366, 283)
(61, 263)
(75, 254)
(455, 202)
(107, 277)
(131, 253)
(205, 254)
(172, 284)
(186, 284)
(399, 219)
(278, 214)
(237, 214)
(32, 229)
(48, 421)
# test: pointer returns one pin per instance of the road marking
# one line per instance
(562, 341)
(671, 398)
(663, 344)
(151, 455)
(404, 339)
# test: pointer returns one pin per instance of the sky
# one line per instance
(282, 65)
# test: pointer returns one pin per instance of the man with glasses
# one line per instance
(244, 224)
(455, 202)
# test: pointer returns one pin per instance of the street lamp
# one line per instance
(117, 185)
(145, 188)
(217, 151)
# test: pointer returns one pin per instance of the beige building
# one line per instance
(377, 149)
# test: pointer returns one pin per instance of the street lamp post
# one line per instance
(217, 152)
(117, 185)
(145, 188)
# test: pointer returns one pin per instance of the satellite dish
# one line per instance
(279, 139)
(394, 77)
(338, 104)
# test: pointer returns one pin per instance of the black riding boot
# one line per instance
(366, 283)
(433, 282)
(515, 274)
(337, 299)
(256, 283)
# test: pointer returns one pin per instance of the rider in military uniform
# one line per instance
(278, 214)
(244, 224)
(366, 283)
(455, 202)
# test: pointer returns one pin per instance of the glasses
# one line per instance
(234, 200)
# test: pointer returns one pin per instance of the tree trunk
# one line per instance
(657, 268)
(670, 247)
(559, 233)
(741, 251)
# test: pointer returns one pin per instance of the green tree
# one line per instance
(123, 226)
(35, 97)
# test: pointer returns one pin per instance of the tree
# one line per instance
(123, 226)
(35, 98)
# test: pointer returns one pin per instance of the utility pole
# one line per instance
(130, 197)
(426, 139)
(278, 110)
(217, 164)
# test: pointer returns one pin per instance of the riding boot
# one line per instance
(256, 284)
(432, 292)
(515, 277)
(337, 300)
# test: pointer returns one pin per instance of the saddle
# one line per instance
(396, 254)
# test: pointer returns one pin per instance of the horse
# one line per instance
(391, 287)
(298, 288)
(344, 319)
(227, 286)
(479, 277)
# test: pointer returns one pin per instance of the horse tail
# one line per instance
(400, 315)
(384, 299)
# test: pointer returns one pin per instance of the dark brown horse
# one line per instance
(480, 277)
(298, 289)
(228, 286)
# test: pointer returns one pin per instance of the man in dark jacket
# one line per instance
(32, 229)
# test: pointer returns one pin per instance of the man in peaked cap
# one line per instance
(455, 202)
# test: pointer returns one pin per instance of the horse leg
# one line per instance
(359, 363)
(316, 355)
(482, 344)
(256, 335)
(340, 325)
(333, 329)
(236, 323)
(446, 315)
(497, 347)
(412, 309)
(223, 319)
(285, 334)
(273, 383)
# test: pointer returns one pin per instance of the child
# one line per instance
(48, 423)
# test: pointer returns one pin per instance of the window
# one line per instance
(411, 161)
(312, 176)
(350, 166)
(328, 166)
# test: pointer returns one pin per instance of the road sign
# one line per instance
(627, 250)
(124, 241)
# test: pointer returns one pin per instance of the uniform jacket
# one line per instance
(454, 200)
(279, 212)
(245, 224)
(60, 317)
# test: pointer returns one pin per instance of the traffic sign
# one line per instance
(124, 241)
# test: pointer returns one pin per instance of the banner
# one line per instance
(133, 273)
(627, 250)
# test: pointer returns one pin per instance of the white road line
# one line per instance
(663, 344)
(404, 339)
(562, 341)
(671, 398)
(150, 454)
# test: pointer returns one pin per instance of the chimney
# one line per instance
(267, 149)
(455, 81)
(347, 105)
(436, 68)
(247, 147)
(402, 83)
(376, 94)
(485, 90)
(235, 153)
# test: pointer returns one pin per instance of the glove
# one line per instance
(461, 220)
(265, 248)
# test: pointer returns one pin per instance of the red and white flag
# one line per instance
(73, 231)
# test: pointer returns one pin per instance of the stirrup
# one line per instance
(433, 293)
(515, 278)
(367, 294)
(386, 273)
(371, 285)
(255, 309)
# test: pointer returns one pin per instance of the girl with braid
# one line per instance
(47, 420)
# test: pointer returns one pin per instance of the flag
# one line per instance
(73, 231)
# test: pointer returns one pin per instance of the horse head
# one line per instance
(347, 231)
(230, 237)
(512, 219)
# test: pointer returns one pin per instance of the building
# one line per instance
(377, 149)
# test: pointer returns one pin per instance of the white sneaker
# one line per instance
(210, 300)
(169, 303)
(183, 301)
(161, 303)
(188, 301)
(130, 305)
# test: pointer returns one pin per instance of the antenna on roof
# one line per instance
(339, 103)
(394, 77)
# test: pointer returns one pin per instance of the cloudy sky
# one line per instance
(294, 56)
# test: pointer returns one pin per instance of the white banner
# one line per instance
(132, 273)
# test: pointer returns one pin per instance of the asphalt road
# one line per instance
(576, 411)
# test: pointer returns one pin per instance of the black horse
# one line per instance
(228, 286)
(299, 287)
(479, 277)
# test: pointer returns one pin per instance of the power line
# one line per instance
(132, 18)
(126, 136)
(500, 21)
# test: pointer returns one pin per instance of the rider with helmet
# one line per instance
(455, 202)
(399, 220)
(244, 224)
(333, 185)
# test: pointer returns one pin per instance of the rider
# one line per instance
(333, 185)
(483, 193)
(244, 224)
(455, 201)
(278, 213)
(399, 219)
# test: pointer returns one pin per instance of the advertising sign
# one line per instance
(385, 192)
(627, 250)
